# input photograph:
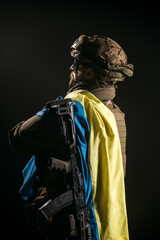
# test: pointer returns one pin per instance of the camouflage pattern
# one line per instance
(104, 52)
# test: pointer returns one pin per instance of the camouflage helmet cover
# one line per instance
(104, 52)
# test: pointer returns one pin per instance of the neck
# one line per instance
(92, 85)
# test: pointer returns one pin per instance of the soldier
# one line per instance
(106, 64)
(99, 63)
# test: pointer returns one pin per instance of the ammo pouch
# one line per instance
(60, 213)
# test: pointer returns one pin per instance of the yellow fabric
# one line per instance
(105, 162)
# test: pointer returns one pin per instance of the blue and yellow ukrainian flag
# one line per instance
(102, 168)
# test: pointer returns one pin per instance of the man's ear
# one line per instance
(89, 73)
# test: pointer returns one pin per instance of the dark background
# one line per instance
(34, 67)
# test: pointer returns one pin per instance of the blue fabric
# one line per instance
(29, 174)
(83, 131)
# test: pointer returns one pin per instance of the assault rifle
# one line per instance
(75, 195)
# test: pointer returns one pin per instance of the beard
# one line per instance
(72, 79)
(76, 77)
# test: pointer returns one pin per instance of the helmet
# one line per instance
(104, 52)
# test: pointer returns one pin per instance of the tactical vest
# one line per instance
(106, 95)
